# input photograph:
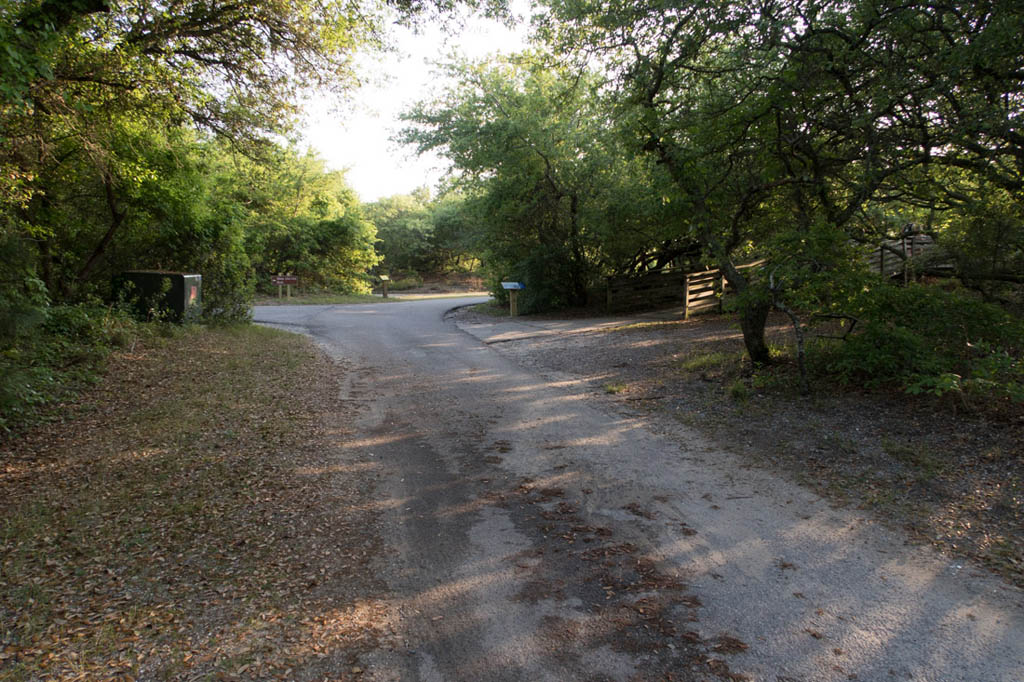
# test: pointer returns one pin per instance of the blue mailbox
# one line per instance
(513, 288)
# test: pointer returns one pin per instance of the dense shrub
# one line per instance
(550, 277)
(928, 340)
(64, 352)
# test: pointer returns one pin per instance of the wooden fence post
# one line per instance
(686, 298)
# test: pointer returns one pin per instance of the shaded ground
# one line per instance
(182, 522)
(950, 478)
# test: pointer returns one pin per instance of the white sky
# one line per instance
(358, 140)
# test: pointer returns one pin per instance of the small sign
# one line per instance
(513, 285)
(385, 278)
(284, 280)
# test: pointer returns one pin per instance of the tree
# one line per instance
(542, 171)
(404, 232)
(800, 116)
(100, 80)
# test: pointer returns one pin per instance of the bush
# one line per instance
(404, 282)
(65, 353)
(929, 341)
(552, 280)
(884, 352)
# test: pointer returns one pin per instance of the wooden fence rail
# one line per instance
(705, 290)
(890, 257)
(696, 291)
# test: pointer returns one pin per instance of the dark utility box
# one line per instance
(153, 294)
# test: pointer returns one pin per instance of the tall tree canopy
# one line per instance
(558, 200)
(782, 116)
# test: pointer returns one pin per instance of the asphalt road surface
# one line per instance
(534, 534)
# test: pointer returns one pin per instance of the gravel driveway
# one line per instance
(548, 521)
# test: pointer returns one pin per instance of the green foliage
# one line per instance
(786, 116)
(738, 391)
(930, 341)
(884, 352)
(408, 282)
(404, 232)
(63, 354)
(417, 235)
(302, 219)
(982, 235)
(545, 274)
(23, 298)
(125, 147)
(552, 198)
(996, 371)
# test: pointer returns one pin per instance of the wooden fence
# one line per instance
(695, 291)
(890, 257)
(705, 290)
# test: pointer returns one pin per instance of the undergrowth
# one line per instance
(61, 354)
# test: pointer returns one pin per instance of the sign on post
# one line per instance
(284, 281)
(513, 289)
(384, 279)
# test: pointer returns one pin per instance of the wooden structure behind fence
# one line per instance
(696, 291)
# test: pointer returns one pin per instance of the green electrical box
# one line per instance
(151, 294)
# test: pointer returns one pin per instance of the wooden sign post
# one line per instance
(384, 279)
(284, 281)
(513, 289)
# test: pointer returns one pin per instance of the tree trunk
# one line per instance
(753, 317)
(117, 216)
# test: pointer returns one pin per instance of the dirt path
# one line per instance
(540, 533)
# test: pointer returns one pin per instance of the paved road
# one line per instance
(537, 536)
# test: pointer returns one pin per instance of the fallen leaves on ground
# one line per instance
(187, 519)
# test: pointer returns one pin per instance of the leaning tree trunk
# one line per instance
(117, 216)
(753, 316)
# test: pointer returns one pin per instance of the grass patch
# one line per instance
(738, 391)
(170, 526)
(925, 463)
(614, 388)
(717, 361)
(643, 326)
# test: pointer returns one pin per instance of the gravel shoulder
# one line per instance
(803, 525)
(946, 478)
